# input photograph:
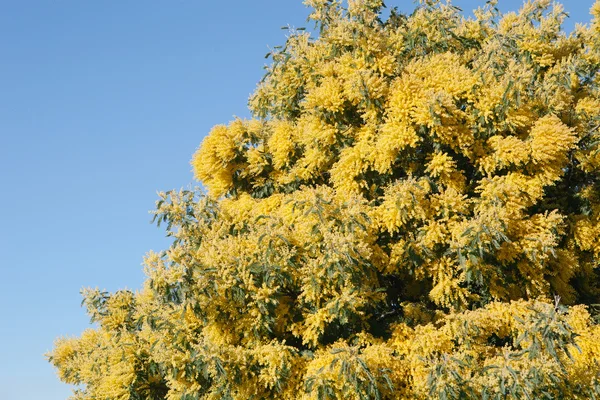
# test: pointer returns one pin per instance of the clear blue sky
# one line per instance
(102, 103)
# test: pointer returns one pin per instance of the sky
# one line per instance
(102, 104)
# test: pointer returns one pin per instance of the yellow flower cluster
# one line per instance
(393, 223)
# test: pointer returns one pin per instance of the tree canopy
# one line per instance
(412, 213)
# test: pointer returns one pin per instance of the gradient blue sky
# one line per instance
(102, 103)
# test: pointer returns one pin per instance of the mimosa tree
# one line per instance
(413, 213)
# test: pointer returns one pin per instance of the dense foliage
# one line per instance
(399, 221)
